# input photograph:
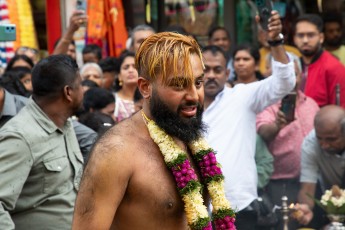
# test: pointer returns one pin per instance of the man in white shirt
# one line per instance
(230, 114)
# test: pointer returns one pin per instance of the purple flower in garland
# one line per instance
(183, 174)
(209, 166)
(225, 223)
(208, 227)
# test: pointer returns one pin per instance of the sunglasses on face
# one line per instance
(25, 48)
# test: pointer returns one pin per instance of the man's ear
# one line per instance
(67, 91)
(322, 38)
(145, 87)
(227, 72)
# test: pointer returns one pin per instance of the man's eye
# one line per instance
(199, 83)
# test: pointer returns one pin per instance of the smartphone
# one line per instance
(81, 5)
(7, 32)
(288, 106)
(264, 10)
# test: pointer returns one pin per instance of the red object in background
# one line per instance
(107, 27)
(117, 32)
(53, 23)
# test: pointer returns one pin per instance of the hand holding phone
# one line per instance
(81, 7)
(288, 106)
(264, 10)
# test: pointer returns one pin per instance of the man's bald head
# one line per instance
(329, 125)
(330, 116)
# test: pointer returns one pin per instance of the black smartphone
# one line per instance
(288, 106)
(264, 10)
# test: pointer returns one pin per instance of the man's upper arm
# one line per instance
(309, 165)
(103, 184)
(274, 88)
(15, 165)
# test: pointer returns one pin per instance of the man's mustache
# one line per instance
(211, 81)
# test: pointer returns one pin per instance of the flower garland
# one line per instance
(187, 181)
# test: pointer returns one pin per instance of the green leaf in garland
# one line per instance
(200, 223)
(199, 155)
(214, 178)
(191, 186)
(179, 160)
(221, 213)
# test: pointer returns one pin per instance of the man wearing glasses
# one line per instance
(323, 75)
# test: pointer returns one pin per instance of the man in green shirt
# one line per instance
(40, 160)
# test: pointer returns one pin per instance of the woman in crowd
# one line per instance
(245, 60)
(125, 86)
(17, 81)
(19, 60)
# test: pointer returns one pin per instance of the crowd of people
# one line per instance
(92, 146)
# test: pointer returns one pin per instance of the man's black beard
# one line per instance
(311, 53)
(185, 129)
(334, 42)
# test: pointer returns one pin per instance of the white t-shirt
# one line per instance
(231, 119)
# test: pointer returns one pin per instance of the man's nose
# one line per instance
(209, 75)
(192, 94)
(240, 62)
(305, 39)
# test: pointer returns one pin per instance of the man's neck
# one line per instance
(55, 111)
(208, 101)
(246, 80)
(307, 60)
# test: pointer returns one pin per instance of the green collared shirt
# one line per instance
(40, 170)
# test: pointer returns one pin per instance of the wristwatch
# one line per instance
(278, 41)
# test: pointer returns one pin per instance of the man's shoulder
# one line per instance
(310, 141)
(310, 103)
(124, 136)
(341, 49)
(124, 145)
(330, 62)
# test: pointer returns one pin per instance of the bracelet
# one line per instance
(278, 42)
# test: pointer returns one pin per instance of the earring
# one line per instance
(120, 82)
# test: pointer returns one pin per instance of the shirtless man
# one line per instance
(126, 184)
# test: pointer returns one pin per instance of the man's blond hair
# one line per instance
(167, 54)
